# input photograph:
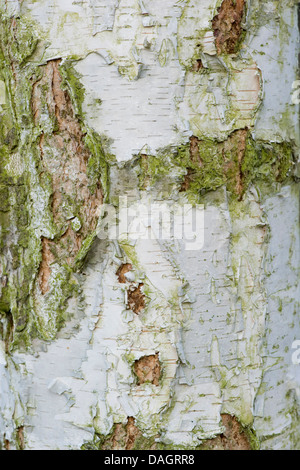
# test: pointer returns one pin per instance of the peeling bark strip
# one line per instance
(65, 157)
(147, 369)
(227, 26)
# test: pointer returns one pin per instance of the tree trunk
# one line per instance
(149, 207)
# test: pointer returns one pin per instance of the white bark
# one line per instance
(223, 319)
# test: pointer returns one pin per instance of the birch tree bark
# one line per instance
(149, 332)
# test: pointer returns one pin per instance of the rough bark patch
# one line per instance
(147, 369)
(234, 437)
(196, 159)
(45, 270)
(123, 269)
(136, 299)
(20, 437)
(227, 26)
(194, 150)
(197, 65)
(6, 444)
(64, 155)
(127, 437)
(145, 167)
